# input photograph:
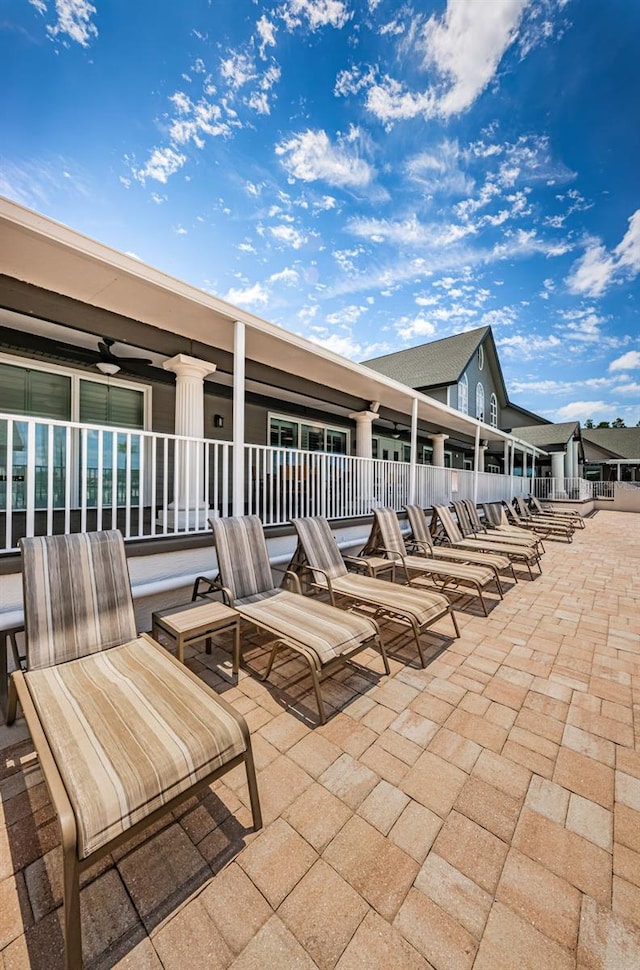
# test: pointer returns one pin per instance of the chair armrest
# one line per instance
(290, 576)
(212, 586)
(360, 562)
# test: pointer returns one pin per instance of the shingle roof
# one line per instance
(428, 365)
(543, 435)
(622, 442)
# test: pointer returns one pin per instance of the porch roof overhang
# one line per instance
(43, 253)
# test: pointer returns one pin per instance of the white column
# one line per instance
(476, 463)
(506, 457)
(557, 473)
(238, 417)
(190, 506)
(481, 453)
(363, 420)
(414, 451)
(438, 448)
(576, 458)
(568, 461)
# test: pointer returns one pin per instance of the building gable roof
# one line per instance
(432, 364)
(621, 442)
(543, 435)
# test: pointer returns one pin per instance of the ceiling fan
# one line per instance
(110, 363)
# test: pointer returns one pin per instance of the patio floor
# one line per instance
(481, 813)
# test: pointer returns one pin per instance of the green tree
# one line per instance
(589, 423)
(618, 423)
(603, 424)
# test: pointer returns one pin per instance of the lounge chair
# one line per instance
(458, 579)
(420, 539)
(470, 525)
(496, 522)
(325, 637)
(318, 556)
(547, 530)
(536, 508)
(123, 731)
(452, 534)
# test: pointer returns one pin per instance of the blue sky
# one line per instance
(369, 174)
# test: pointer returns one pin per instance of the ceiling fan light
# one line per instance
(106, 367)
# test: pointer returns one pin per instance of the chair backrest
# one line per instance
(418, 523)
(494, 513)
(448, 523)
(243, 560)
(515, 511)
(472, 512)
(320, 547)
(77, 596)
(391, 538)
(534, 500)
(464, 522)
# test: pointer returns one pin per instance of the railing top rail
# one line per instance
(116, 429)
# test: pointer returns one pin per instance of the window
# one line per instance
(36, 390)
(463, 395)
(493, 411)
(286, 432)
(480, 357)
(479, 401)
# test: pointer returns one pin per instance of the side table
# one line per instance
(198, 621)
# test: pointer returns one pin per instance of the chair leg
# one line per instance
(455, 622)
(274, 650)
(316, 690)
(12, 703)
(416, 633)
(484, 605)
(383, 653)
(252, 785)
(72, 925)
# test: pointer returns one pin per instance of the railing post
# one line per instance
(238, 417)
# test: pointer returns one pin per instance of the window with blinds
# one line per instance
(36, 393)
(109, 404)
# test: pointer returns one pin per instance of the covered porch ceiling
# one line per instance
(39, 252)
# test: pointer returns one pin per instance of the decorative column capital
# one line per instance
(440, 437)
(184, 366)
(364, 417)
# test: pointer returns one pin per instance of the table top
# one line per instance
(194, 615)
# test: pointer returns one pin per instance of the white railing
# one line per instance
(490, 488)
(558, 489)
(62, 476)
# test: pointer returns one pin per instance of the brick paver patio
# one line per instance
(482, 813)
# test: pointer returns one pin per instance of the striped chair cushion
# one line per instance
(389, 531)
(418, 523)
(419, 604)
(448, 523)
(325, 630)
(243, 560)
(320, 547)
(77, 596)
(129, 731)
(477, 574)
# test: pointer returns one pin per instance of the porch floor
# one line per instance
(481, 813)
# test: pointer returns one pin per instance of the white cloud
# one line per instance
(528, 346)
(267, 34)
(633, 388)
(581, 410)
(628, 361)
(316, 13)
(467, 45)
(597, 269)
(288, 276)
(161, 164)
(347, 314)
(238, 69)
(310, 156)
(288, 236)
(250, 296)
(419, 326)
(74, 20)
